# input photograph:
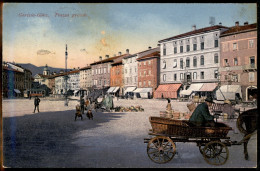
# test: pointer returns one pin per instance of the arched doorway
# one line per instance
(251, 93)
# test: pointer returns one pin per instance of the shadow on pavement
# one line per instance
(45, 139)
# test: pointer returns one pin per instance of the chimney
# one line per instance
(220, 24)
(149, 47)
(127, 51)
(119, 53)
(107, 56)
(100, 58)
(158, 44)
(246, 23)
(237, 23)
(194, 27)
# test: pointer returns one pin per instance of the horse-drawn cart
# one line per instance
(212, 141)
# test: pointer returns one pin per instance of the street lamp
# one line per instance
(66, 77)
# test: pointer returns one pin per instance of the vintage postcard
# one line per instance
(129, 85)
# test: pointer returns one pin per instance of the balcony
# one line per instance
(249, 67)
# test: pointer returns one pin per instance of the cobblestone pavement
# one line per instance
(52, 139)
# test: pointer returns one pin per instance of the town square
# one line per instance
(115, 85)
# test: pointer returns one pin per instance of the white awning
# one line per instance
(116, 89)
(193, 87)
(146, 90)
(17, 91)
(110, 90)
(138, 90)
(229, 91)
(130, 89)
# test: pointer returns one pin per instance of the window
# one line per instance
(130, 60)
(181, 63)
(150, 72)
(202, 75)
(144, 62)
(149, 62)
(144, 83)
(235, 62)
(164, 64)
(125, 71)
(181, 76)
(235, 78)
(174, 63)
(216, 43)
(202, 60)
(216, 74)
(251, 43)
(234, 46)
(251, 76)
(202, 45)
(135, 69)
(175, 77)
(188, 48)
(140, 84)
(226, 62)
(188, 62)
(194, 47)
(164, 77)
(144, 73)
(130, 71)
(149, 83)
(194, 75)
(164, 49)
(194, 61)
(175, 50)
(181, 49)
(252, 62)
(216, 58)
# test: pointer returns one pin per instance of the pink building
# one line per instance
(238, 56)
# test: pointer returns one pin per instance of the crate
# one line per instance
(171, 127)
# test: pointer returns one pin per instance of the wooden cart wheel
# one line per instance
(215, 153)
(161, 149)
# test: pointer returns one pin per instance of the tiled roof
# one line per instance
(151, 55)
(237, 29)
(139, 53)
(109, 59)
(87, 67)
(197, 31)
(10, 69)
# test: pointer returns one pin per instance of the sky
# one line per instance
(37, 33)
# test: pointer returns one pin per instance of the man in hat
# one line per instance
(201, 115)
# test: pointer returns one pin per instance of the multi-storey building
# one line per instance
(238, 66)
(16, 80)
(148, 74)
(85, 79)
(131, 69)
(100, 70)
(191, 58)
(72, 82)
(43, 78)
(116, 78)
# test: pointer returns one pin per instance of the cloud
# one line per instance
(44, 52)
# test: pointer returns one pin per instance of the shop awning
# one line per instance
(130, 89)
(110, 90)
(146, 90)
(17, 91)
(208, 87)
(193, 87)
(138, 90)
(116, 89)
(167, 91)
(229, 91)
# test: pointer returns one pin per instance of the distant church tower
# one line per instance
(46, 70)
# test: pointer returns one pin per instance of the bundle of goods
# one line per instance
(129, 109)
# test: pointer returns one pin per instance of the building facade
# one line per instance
(238, 64)
(85, 78)
(148, 71)
(192, 57)
(117, 78)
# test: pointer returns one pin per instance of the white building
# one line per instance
(192, 57)
(43, 78)
(73, 82)
(85, 78)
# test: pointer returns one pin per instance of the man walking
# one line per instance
(36, 103)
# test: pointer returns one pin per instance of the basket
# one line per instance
(182, 128)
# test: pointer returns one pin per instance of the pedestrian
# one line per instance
(201, 115)
(36, 104)
(82, 102)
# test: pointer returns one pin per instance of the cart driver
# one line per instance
(201, 115)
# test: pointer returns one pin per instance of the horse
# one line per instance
(249, 120)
